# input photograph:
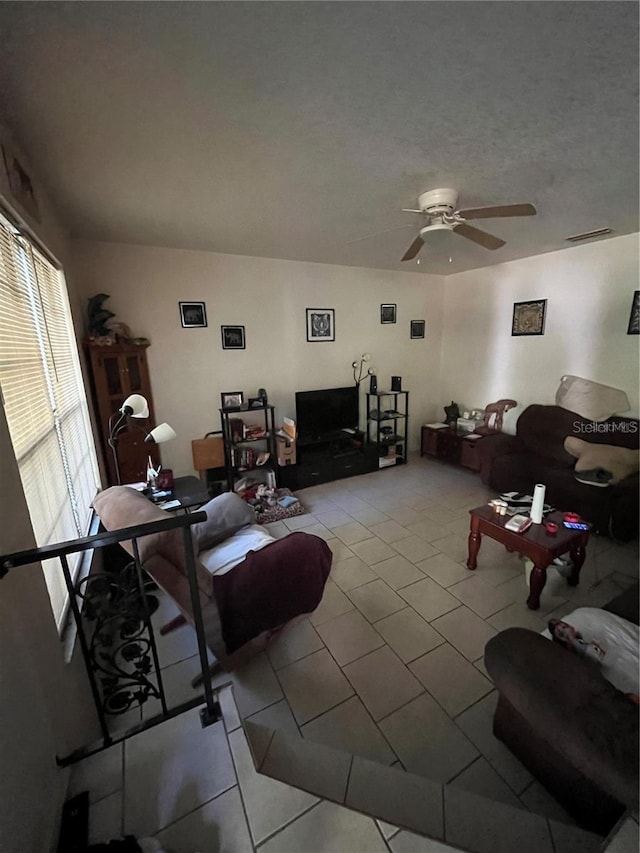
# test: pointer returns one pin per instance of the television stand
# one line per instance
(327, 458)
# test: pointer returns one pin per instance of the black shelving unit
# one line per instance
(387, 425)
(243, 446)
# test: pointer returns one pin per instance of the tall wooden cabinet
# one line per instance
(116, 372)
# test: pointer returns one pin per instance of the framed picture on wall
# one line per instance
(193, 315)
(20, 182)
(387, 313)
(232, 337)
(417, 329)
(634, 317)
(321, 324)
(529, 317)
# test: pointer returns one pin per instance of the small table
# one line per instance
(535, 543)
(189, 491)
(449, 444)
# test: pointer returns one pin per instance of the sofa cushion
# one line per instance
(619, 462)
(542, 430)
(226, 514)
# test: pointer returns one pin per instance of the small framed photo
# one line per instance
(634, 317)
(232, 400)
(321, 324)
(387, 313)
(193, 315)
(256, 402)
(528, 317)
(232, 337)
(417, 329)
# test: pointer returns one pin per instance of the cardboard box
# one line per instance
(207, 453)
(286, 451)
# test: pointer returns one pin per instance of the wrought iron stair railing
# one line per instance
(112, 616)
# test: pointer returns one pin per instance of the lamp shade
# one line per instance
(161, 433)
(135, 406)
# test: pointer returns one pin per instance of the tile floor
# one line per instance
(389, 668)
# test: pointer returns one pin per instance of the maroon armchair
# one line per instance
(243, 608)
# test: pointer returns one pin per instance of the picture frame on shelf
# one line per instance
(232, 401)
(320, 325)
(256, 403)
(417, 329)
(529, 317)
(388, 313)
(634, 317)
(233, 337)
(193, 315)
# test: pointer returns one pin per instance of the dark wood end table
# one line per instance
(535, 543)
(190, 491)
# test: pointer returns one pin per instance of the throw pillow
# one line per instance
(226, 514)
(601, 464)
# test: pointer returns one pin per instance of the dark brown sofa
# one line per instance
(568, 725)
(536, 454)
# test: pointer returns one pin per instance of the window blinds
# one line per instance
(44, 401)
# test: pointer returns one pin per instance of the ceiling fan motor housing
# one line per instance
(438, 202)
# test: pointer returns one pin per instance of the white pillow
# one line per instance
(226, 555)
(618, 638)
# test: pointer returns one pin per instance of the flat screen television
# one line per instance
(320, 414)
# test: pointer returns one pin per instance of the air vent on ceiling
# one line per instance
(588, 235)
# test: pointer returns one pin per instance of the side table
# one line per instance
(190, 491)
(451, 445)
(535, 543)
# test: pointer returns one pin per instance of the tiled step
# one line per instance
(446, 813)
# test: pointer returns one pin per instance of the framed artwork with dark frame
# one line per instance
(193, 315)
(232, 400)
(529, 317)
(232, 337)
(387, 313)
(417, 329)
(321, 324)
(634, 318)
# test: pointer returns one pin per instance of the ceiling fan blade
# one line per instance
(495, 212)
(478, 236)
(410, 210)
(413, 249)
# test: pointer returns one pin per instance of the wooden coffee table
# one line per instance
(535, 543)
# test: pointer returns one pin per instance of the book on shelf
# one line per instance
(254, 432)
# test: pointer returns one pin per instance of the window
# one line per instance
(44, 401)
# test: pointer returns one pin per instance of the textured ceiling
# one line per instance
(289, 130)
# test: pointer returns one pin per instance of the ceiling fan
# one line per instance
(440, 208)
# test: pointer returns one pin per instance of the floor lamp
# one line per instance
(135, 406)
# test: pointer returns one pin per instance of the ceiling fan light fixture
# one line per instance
(589, 235)
(436, 226)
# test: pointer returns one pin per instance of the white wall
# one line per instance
(42, 701)
(588, 289)
(189, 369)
